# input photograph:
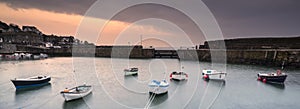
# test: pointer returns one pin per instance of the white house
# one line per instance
(48, 44)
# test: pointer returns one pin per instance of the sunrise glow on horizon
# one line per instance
(63, 24)
(64, 20)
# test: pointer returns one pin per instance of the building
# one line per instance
(31, 29)
(21, 38)
(3, 27)
(48, 44)
(13, 28)
(63, 41)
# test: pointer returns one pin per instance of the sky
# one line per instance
(236, 18)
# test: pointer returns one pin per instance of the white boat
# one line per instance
(42, 55)
(158, 87)
(36, 56)
(178, 76)
(213, 74)
(131, 71)
(22, 55)
(16, 56)
(76, 92)
(28, 56)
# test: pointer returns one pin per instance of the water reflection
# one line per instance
(130, 78)
(212, 91)
(158, 99)
(276, 85)
(216, 81)
(178, 82)
(133, 85)
(240, 91)
(24, 97)
(79, 103)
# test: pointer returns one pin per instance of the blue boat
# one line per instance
(277, 77)
(31, 82)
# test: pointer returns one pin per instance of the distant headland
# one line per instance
(261, 51)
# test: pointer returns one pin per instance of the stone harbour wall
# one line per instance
(268, 57)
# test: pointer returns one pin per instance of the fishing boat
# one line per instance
(16, 56)
(277, 77)
(178, 76)
(213, 74)
(31, 82)
(76, 92)
(158, 87)
(28, 56)
(36, 57)
(43, 56)
(131, 71)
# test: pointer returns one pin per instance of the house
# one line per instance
(2, 30)
(31, 29)
(13, 28)
(48, 44)
(3, 27)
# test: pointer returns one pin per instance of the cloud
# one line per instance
(81, 6)
(250, 18)
(59, 6)
(236, 17)
(169, 14)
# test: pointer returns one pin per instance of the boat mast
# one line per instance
(282, 65)
(141, 38)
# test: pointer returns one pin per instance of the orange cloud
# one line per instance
(47, 22)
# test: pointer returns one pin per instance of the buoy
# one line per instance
(205, 76)
(259, 78)
(66, 90)
(264, 80)
(171, 75)
(186, 75)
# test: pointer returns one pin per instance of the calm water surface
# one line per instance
(113, 90)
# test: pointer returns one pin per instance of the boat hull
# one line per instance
(69, 97)
(131, 73)
(179, 77)
(158, 87)
(30, 83)
(217, 76)
(277, 79)
(74, 96)
(158, 90)
(213, 74)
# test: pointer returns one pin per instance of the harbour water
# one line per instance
(112, 90)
